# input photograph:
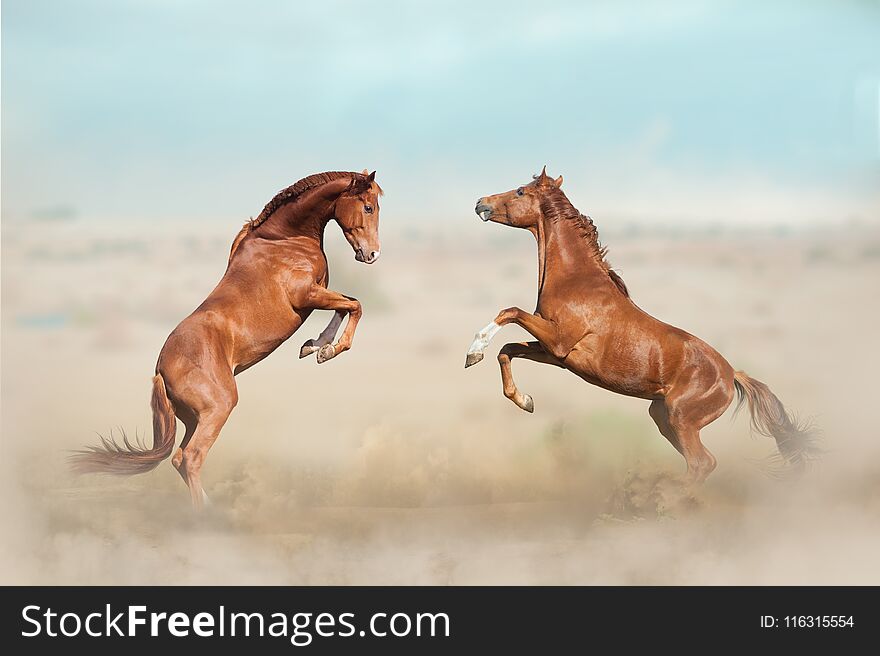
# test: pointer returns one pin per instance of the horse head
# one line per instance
(520, 207)
(357, 213)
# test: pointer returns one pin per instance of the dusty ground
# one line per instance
(392, 464)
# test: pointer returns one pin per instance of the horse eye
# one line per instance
(520, 191)
(368, 209)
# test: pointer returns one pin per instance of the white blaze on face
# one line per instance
(483, 337)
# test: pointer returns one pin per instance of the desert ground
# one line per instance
(392, 464)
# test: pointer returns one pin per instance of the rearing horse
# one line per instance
(586, 322)
(276, 275)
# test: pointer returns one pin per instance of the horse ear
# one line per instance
(543, 178)
(366, 171)
(370, 177)
(558, 182)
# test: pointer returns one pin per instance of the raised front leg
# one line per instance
(544, 331)
(326, 299)
(481, 341)
(326, 337)
(529, 351)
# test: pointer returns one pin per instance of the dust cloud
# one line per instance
(393, 465)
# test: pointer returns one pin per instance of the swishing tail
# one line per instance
(111, 458)
(797, 443)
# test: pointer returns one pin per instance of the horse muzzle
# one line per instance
(483, 210)
(368, 257)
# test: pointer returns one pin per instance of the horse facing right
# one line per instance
(586, 322)
(276, 276)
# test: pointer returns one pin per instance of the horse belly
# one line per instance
(619, 367)
(255, 346)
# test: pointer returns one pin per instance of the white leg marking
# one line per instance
(483, 337)
(481, 341)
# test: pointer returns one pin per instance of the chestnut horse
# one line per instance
(586, 322)
(276, 275)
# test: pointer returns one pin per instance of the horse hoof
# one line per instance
(327, 352)
(473, 358)
(306, 350)
(528, 404)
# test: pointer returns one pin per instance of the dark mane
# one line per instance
(556, 207)
(291, 193)
(299, 187)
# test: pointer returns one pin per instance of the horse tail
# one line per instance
(798, 443)
(128, 459)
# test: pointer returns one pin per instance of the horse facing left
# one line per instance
(276, 275)
(586, 322)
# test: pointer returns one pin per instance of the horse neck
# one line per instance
(563, 249)
(307, 216)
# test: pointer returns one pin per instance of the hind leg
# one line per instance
(696, 401)
(658, 413)
(190, 421)
(193, 456)
(700, 461)
(686, 440)
(205, 401)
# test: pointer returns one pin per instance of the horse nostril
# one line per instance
(374, 255)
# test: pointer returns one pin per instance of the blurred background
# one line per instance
(729, 154)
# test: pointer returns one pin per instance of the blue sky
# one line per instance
(692, 111)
